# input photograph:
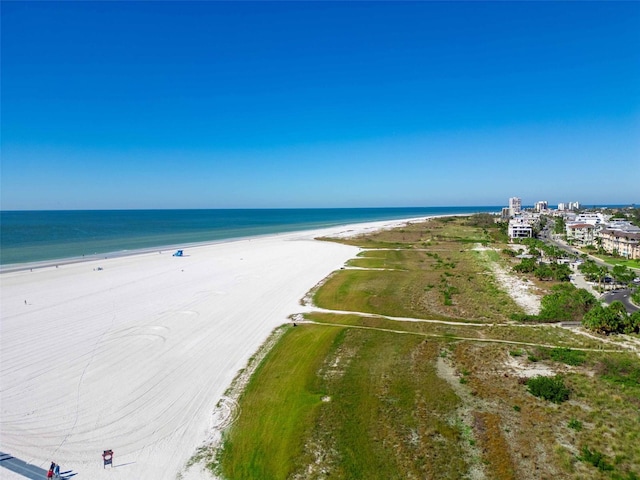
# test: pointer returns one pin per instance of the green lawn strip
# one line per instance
(619, 261)
(277, 408)
(384, 292)
(393, 259)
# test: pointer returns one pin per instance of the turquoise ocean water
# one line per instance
(40, 236)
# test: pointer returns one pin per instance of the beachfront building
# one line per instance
(520, 228)
(619, 242)
(580, 233)
(515, 206)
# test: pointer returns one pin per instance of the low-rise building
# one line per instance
(580, 233)
(623, 225)
(520, 228)
(619, 242)
(593, 218)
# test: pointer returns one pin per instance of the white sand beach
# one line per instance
(135, 355)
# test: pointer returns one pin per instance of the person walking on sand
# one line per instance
(56, 471)
(50, 473)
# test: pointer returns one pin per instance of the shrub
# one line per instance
(611, 319)
(549, 388)
(568, 356)
(526, 265)
(596, 459)
(566, 302)
(575, 424)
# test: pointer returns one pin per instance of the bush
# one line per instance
(568, 356)
(549, 388)
(526, 265)
(575, 424)
(565, 303)
(611, 319)
(596, 459)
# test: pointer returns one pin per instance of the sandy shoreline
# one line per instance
(134, 357)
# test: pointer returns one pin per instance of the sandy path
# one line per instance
(134, 357)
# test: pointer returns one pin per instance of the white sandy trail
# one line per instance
(134, 357)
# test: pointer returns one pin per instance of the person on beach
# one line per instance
(56, 471)
(53, 464)
(50, 473)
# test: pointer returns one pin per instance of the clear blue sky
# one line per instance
(311, 104)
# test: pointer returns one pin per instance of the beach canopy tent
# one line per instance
(178, 253)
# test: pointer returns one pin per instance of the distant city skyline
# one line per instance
(137, 105)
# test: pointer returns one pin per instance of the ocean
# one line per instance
(43, 236)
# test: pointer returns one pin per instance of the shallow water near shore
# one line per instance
(38, 236)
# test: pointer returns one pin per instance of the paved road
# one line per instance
(28, 470)
(575, 251)
(568, 248)
(622, 296)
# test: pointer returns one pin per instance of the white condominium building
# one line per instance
(581, 233)
(520, 228)
(515, 206)
(542, 206)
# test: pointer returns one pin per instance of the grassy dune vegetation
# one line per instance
(361, 396)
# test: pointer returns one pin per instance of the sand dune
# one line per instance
(134, 357)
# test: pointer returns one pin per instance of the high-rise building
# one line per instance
(515, 206)
(542, 206)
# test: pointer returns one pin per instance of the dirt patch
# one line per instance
(464, 417)
(520, 290)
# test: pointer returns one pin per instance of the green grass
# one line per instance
(385, 406)
(388, 292)
(622, 370)
(618, 261)
(278, 406)
(385, 259)
(464, 290)
(563, 355)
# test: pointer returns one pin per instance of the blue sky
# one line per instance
(318, 104)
